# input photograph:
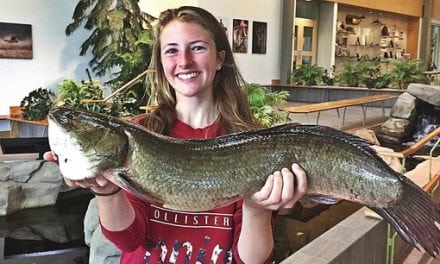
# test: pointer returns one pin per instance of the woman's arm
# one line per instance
(281, 190)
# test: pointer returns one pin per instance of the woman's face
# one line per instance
(189, 58)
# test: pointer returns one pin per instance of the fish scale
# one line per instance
(203, 174)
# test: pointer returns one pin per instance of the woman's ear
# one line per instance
(221, 55)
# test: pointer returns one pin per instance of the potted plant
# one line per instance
(376, 77)
(353, 74)
(307, 75)
(36, 104)
(72, 94)
(262, 103)
(405, 72)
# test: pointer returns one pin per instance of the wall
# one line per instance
(56, 56)
(259, 68)
(326, 28)
(435, 10)
(405, 7)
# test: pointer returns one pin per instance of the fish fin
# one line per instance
(321, 198)
(416, 218)
(122, 180)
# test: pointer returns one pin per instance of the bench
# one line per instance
(337, 104)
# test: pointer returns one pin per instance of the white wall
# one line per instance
(258, 68)
(56, 56)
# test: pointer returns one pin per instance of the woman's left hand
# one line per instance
(282, 190)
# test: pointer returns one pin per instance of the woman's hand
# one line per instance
(281, 190)
(98, 184)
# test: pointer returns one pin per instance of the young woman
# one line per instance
(199, 93)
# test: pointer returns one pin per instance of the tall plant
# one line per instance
(120, 41)
(307, 75)
(353, 74)
(262, 103)
(405, 72)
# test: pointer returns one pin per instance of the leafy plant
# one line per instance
(36, 104)
(307, 75)
(262, 104)
(353, 74)
(376, 77)
(72, 93)
(120, 43)
(405, 72)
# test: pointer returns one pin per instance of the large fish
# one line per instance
(204, 174)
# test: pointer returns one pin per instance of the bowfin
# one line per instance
(416, 218)
(322, 199)
(122, 180)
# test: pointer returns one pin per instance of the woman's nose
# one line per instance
(185, 59)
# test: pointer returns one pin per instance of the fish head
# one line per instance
(85, 143)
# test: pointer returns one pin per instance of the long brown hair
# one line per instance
(229, 86)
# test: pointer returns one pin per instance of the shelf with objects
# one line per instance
(370, 36)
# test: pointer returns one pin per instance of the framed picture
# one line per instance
(240, 35)
(259, 37)
(15, 41)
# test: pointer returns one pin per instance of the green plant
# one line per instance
(376, 77)
(353, 74)
(72, 94)
(120, 44)
(307, 75)
(36, 104)
(404, 72)
(262, 103)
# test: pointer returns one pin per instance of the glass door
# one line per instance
(304, 42)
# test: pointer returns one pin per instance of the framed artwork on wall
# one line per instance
(259, 37)
(240, 35)
(15, 41)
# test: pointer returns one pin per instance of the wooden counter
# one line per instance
(16, 117)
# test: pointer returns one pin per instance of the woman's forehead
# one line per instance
(178, 31)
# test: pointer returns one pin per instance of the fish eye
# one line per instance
(65, 160)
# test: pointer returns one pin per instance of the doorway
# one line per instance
(304, 42)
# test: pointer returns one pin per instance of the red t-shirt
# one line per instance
(160, 235)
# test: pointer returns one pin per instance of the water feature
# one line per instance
(46, 230)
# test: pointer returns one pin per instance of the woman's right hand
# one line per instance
(98, 184)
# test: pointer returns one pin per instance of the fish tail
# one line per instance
(416, 218)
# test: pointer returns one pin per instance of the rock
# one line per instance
(101, 249)
(395, 127)
(405, 107)
(425, 92)
(28, 184)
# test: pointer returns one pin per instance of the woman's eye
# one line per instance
(198, 48)
(170, 51)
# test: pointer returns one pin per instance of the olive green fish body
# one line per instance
(211, 173)
(203, 174)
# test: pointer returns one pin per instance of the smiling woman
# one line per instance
(200, 94)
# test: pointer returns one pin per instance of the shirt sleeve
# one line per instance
(134, 236)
